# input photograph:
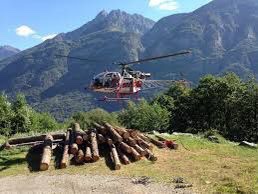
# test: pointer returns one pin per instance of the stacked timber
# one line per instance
(85, 146)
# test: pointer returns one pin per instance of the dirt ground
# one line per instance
(82, 184)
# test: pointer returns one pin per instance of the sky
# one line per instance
(26, 23)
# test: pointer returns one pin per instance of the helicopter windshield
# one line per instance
(106, 79)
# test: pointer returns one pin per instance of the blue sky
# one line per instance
(26, 23)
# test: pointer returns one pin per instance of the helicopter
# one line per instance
(128, 82)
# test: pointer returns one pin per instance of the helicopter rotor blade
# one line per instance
(155, 58)
(78, 58)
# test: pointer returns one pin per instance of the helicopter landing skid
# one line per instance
(107, 99)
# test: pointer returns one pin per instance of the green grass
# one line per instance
(210, 167)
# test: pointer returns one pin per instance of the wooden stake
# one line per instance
(94, 144)
(65, 157)
(47, 152)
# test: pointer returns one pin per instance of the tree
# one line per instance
(145, 117)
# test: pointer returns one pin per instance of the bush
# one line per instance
(145, 117)
(86, 119)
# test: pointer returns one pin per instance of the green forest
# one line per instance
(225, 105)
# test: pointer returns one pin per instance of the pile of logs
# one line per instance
(83, 146)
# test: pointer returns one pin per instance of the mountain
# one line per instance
(7, 51)
(222, 35)
(54, 83)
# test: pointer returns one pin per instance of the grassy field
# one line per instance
(210, 167)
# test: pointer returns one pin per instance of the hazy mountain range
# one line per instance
(7, 51)
(222, 36)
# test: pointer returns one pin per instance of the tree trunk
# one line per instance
(88, 155)
(101, 138)
(133, 133)
(144, 144)
(123, 132)
(101, 129)
(79, 157)
(30, 139)
(115, 135)
(65, 157)
(47, 152)
(150, 155)
(123, 157)
(117, 163)
(135, 155)
(126, 148)
(94, 144)
(141, 151)
(131, 141)
(74, 149)
(157, 143)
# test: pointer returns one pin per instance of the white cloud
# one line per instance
(170, 5)
(49, 36)
(24, 31)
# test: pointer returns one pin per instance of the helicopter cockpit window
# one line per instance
(112, 79)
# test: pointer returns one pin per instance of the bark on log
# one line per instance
(109, 141)
(135, 155)
(126, 148)
(150, 155)
(157, 143)
(94, 144)
(143, 137)
(85, 136)
(79, 157)
(133, 133)
(29, 139)
(78, 133)
(88, 155)
(144, 144)
(115, 135)
(123, 132)
(101, 138)
(101, 129)
(65, 157)
(47, 152)
(130, 141)
(74, 149)
(117, 163)
(140, 150)
(123, 157)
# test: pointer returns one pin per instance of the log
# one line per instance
(135, 155)
(101, 138)
(29, 139)
(88, 155)
(115, 135)
(131, 141)
(109, 141)
(123, 157)
(123, 132)
(143, 137)
(47, 152)
(101, 129)
(133, 133)
(79, 133)
(140, 150)
(79, 157)
(74, 149)
(65, 157)
(94, 144)
(8, 146)
(157, 143)
(144, 144)
(126, 148)
(117, 163)
(150, 155)
(85, 136)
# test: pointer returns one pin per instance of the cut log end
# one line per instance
(44, 166)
